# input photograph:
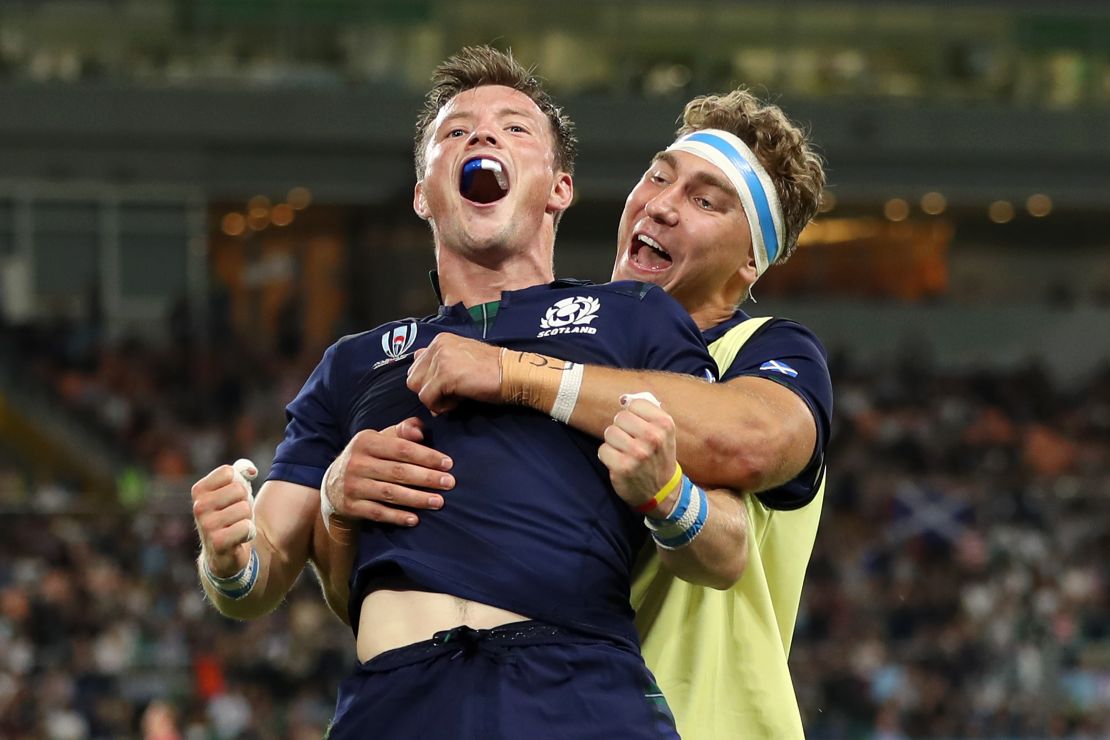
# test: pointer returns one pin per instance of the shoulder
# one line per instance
(756, 334)
(789, 332)
(779, 349)
(354, 342)
(787, 353)
(371, 334)
(393, 338)
(741, 339)
(634, 294)
(634, 290)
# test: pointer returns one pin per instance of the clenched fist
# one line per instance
(223, 510)
(639, 450)
(453, 368)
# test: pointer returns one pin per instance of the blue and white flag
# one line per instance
(778, 366)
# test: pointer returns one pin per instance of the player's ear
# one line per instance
(419, 202)
(748, 271)
(562, 193)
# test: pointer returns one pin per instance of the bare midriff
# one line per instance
(394, 616)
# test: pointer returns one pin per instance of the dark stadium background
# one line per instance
(197, 196)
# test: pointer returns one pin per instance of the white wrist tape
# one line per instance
(628, 398)
(567, 397)
(246, 471)
(326, 508)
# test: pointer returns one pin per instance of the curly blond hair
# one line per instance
(780, 145)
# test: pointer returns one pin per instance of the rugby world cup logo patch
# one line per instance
(570, 316)
(396, 343)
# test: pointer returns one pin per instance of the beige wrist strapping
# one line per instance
(540, 382)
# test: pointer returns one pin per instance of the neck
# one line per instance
(709, 315)
(462, 280)
(708, 311)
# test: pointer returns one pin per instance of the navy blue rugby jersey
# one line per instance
(790, 354)
(532, 525)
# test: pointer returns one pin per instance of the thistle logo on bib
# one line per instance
(396, 343)
(570, 316)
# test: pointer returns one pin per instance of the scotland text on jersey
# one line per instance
(570, 316)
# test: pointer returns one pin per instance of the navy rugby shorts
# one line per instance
(520, 681)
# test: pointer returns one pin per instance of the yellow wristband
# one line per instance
(665, 491)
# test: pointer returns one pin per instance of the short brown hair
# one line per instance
(477, 66)
(780, 145)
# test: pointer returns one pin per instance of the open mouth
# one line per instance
(483, 180)
(647, 254)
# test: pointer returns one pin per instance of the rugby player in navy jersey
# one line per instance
(710, 215)
(507, 614)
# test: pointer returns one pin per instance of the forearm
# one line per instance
(729, 434)
(333, 555)
(276, 575)
(749, 434)
(718, 555)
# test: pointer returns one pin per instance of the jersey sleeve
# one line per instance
(671, 340)
(791, 355)
(313, 430)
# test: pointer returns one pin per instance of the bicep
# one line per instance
(763, 434)
(796, 425)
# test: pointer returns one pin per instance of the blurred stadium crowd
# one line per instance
(1021, 53)
(958, 587)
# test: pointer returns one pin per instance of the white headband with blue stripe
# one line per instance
(754, 186)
